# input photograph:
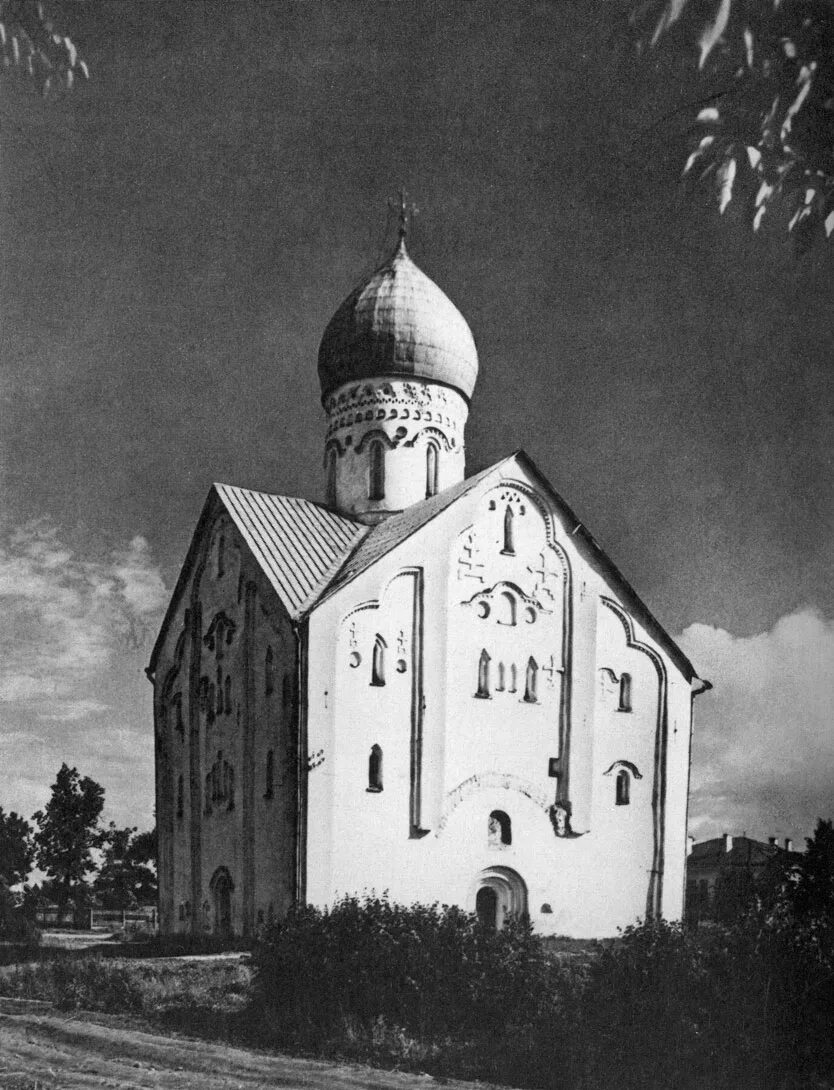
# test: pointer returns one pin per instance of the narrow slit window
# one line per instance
(378, 662)
(221, 557)
(331, 478)
(531, 681)
(509, 537)
(375, 769)
(270, 774)
(269, 672)
(623, 788)
(499, 687)
(483, 675)
(376, 483)
(431, 469)
(513, 678)
(227, 694)
(180, 796)
(625, 693)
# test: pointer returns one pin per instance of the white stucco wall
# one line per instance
(481, 754)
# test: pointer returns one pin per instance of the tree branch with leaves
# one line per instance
(766, 114)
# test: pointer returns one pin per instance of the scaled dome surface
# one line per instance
(398, 323)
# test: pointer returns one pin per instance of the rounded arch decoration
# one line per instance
(654, 895)
(484, 781)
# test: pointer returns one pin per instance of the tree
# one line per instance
(813, 889)
(31, 42)
(16, 848)
(68, 831)
(765, 111)
(127, 874)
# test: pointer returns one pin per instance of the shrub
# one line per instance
(433, 982)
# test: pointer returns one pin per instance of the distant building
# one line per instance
(738, 860)
(431, 685)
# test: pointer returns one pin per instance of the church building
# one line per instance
(433, 685)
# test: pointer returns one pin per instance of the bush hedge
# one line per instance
(749, 1007)
(428, 985)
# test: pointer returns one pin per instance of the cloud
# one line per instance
(66, 617)
(763, 750)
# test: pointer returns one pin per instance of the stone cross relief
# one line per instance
(551, 669)
(547, 575)
(469, 566)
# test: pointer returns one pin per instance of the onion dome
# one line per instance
(398, 323)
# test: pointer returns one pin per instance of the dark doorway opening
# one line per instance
(486, 905)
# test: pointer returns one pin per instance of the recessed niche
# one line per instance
(483, 609)
(354, 659)
(530, 615)
(401, 666)
(546, 910)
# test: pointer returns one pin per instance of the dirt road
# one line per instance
(41, 1049)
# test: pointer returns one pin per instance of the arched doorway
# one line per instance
(499, 892)
(221, 887)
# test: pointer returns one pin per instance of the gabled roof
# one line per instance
(299, 544)
(397, 528)
(308, 552)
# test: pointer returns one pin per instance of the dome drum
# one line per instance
(397, 366)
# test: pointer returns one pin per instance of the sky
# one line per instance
(176, 234)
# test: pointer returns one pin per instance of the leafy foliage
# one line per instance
(16, 849)
(420, 981)
(813, 894)
(765, 123)
(32, 43)
(68, 831)
(127, 875)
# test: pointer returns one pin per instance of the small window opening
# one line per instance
(270, 774)
(483, 675)
(219, 691)
(509, 608)
(331, 478)
(625, 693)
(180, 796)
(499, 829)
(221, 558)
(623, 791)
(269, 672)
(227, 694)
(375, 769)
(378, 662)
(180, 721)
(509, 540)
(431, 469)
(499, 688)
(531, 681)
(376, 483)
(513, 679)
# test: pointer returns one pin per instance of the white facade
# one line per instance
(475, 708)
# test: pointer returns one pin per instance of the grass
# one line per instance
(202, 997)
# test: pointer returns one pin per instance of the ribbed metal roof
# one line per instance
(398, 322)
(298, 544)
